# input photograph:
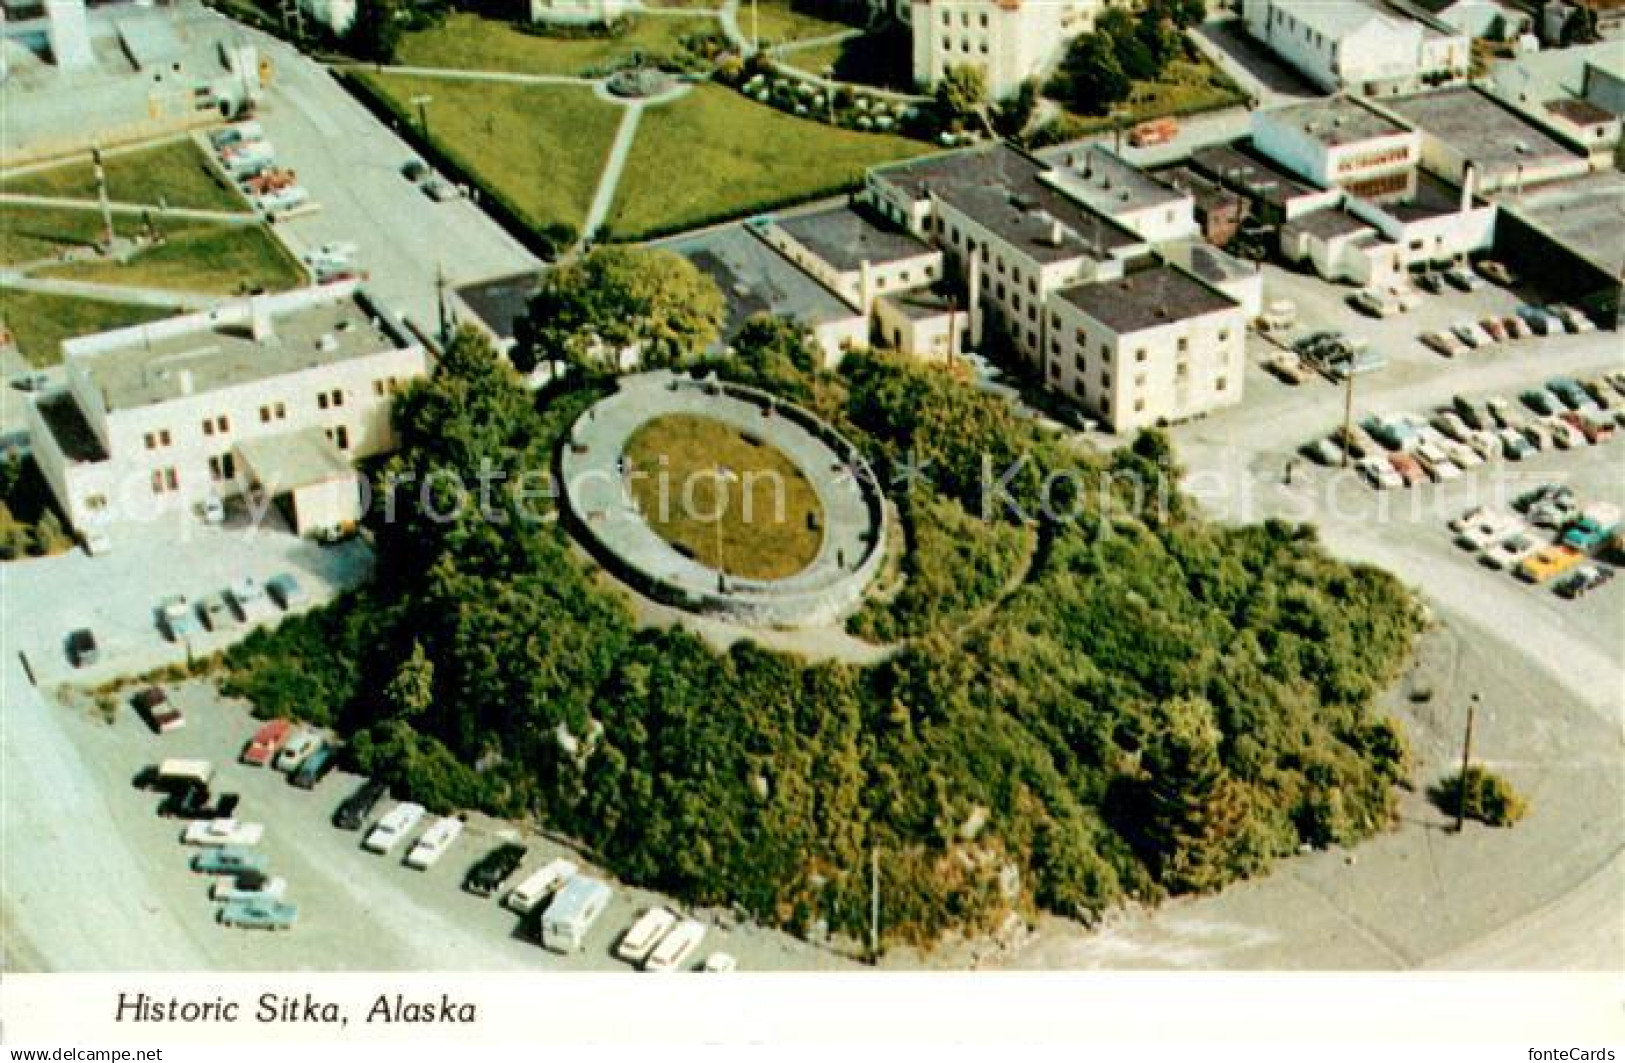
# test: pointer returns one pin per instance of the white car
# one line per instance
(213, 510)
(231, 889)
(434, 842)
(720, 963)
(1490, 526)
(296, 750)
(676, 947)
(388, 832)
(1444, 343)
(1511, 550)
(1450, 423)
(541, 885)
(1462, 454)
(1469, 333)
(223, 832)
(250, 599)
(640, 940)
(1565, 435)
(1380, 474)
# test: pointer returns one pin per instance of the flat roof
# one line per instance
(846, 238)
(1581, 112)
(1146, 298)
(500, 302)
(293, 460)
(1585, 215)
(150, 367)
(1002, 190)
(1335, 18)
(1329, 224)
(1216, 266)
(1491, 135)
(1334, 122)
(756, 279)
(1208, 193)
(1251, 174)
(1433, 198)
(1094, 175)
(919, 305)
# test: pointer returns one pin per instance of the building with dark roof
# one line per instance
(1466, 129)
(854, 255)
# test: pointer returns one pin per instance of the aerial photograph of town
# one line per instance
(853, 486)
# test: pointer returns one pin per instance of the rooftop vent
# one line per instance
(328, 343)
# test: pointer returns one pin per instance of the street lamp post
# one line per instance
(724, 475)
(422, 104)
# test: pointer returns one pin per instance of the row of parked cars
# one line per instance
(1407, 450)
(244, 892)
(249, 159)
(1574, 535)
(558, 903)
(1527, 322)
(246, 601)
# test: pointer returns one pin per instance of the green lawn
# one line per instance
(178, 173)
(41, 321)
(28, 234)
(714, 153)
(883, 60)
(778, 23)
(198, 258)
(1184, 88)
(541, 147)
(468, 42)
(764, 521)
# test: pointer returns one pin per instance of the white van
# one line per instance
(1279, 316)
(638, 942)
(434, 843)
(568, 919)
(181, 772)
(539, 886)
(393, 827)
(676, 947)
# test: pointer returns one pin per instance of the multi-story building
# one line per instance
(1009, 40)
(1355, 46)
(1102, 181)
(853, 256)
(1342, 143)
(1154, 344)
(273, 395)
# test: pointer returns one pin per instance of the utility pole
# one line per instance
(440, 302)
(101, 194)
(1348, 411)
(422, 104)
(874, 906)
(1466, 761)
(755, 29)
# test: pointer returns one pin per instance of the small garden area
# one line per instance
(470, 42)
(197, 257)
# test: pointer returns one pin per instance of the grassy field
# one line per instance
(770, 522)
(468, 42)
(778, 23)
(542, 147)
(1185, 88)
(41, 321)
(178, 173)
(883, 60)
(197, 257)
(715, 153)
(28, 234)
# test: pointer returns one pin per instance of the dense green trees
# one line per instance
(616, 299)
(1100, 67)
(961, 94)
(1160, 705)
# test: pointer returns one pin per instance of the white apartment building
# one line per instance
(1155, 344)
(274, 395)
(854, 257)
(1098, 178)
(1355, 46)
(1342, 143)
(1009, 40)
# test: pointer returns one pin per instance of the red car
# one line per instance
(266, 741)
(1410, 470)
(161, 714)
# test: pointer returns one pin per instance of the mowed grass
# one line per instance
(29, 234)
(177, 174)
(732, 504)
(469, 42)
(541, 147)
(40, 321)
(715, 154)
(198, 257)
(777, 22)
(1184, 88)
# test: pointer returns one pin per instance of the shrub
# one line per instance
(1489, 798)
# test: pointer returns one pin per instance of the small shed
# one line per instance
(305, 474)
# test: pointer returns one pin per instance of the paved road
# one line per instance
(351, 164)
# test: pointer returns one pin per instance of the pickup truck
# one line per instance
(1597, 522)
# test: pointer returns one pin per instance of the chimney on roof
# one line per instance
(1469, 181)
(1057, 235)
(259, 319)
(183, 380)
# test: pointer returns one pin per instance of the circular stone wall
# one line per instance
(602, 511)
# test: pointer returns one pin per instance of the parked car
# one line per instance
(1288, 367)
(1463, 278)
(1380, 474)
(1325, 451)
(82, 649)
(249, 598)
(1570, 392)
(353, 813)
(1583, 581)
(1514, 447)
(1484, 527)
(1443, 343)
(1496, 273)
(1576, 320)
(218, 614)
(1470, 334)
(1540, 400)
(414, 170)
(675, 947)
(285, 590)
(1494, 329)
(266, 741)
(1430, 281)
(1508, 552)
(178, 619)
(395, 826)
(1548, 562)
(1375, 301)
(223, 832)
(316, 767)
(194, 803)
(229, 860)
(1539, 436)
(1408, 469)
(1517, 328)
(31, 381)
(260, 914)
(161, 714)
(1539, 321)
(640, 939)
(494, 868)
(434, 842)
(1450, 423)
(1565, 435)
(540, 885)
(249, 886)
(720, 963)
(300, 745)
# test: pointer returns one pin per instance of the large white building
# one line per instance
(1342, 143)
(1009, 40)
(273, 395)
(1355, 46)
